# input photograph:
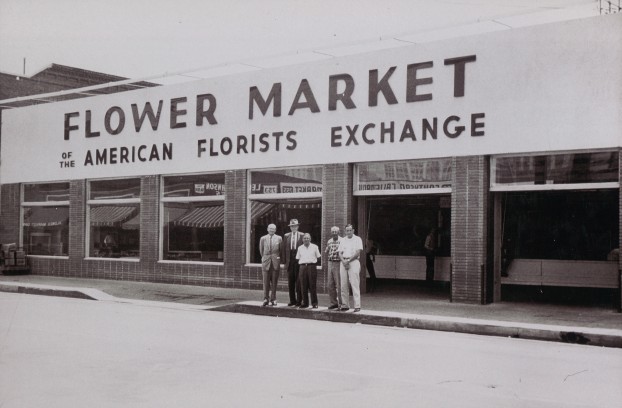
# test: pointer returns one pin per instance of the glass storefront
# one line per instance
(399, 225)
(113, 217)
(277, 196)
(557, 218)
(193, 218)
(45, 219)
(405, 202)
(573, 225)
(554, 170)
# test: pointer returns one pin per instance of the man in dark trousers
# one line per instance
(291, 242)
(430, 252)
(270, 247)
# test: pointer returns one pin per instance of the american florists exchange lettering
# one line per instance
(341, 95)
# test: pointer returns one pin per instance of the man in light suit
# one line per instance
(270, 247)
(291, 243)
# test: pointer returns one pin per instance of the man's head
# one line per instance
(349, 230)
(293, 225)
(334, 232)
(306, 239)
(271, 229)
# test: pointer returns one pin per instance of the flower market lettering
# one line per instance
(341, 91)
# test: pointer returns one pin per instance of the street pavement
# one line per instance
(63, 352)
(409, 307)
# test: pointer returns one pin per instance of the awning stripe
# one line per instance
(203, 217)
(108, 216)
(259, 209)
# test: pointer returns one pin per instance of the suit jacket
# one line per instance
(287, 245)
(270, 256)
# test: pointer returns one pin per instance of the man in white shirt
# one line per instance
(350, 250)
(291, 241)
(307, 257)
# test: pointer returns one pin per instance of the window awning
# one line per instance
(46, 216)
(203, 217)
(110, 216)
(259, 209)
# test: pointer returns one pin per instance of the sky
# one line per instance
(146, 38)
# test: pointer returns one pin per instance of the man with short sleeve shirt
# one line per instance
(350, 250)
(334, 263)
(307, 256)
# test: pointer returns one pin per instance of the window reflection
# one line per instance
(308, 212)
(114, 231)
(46, 230)
(193, 231)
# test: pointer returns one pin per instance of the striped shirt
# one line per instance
(332, 249)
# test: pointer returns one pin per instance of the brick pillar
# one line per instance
(236, 238)
(149, 226)
(77, 226)
(469, 216)
(337, 207)
(9, 214)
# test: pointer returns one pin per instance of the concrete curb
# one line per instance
(564, 334)
(45, 291)
(90, 294)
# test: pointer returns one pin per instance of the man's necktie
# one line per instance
(270, 245)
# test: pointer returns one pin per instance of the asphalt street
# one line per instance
(62, 352)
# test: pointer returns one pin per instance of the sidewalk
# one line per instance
(423, 309)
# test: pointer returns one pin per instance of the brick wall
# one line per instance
(469, 216)
(235, 234)
(9, 215)
(337, 208)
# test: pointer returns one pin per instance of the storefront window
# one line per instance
(574, 168)
(577, 225)
(45, 219)
(403, 177)
(193, 218)
(399, 226)
(277, 196)
(114, 218)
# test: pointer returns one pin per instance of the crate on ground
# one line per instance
(13, 259)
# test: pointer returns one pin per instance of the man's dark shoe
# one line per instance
(357, 309)
(315, 306)
(344, 309)
(303, 306)
(273, 303)
(291, 304)
(331, 307)
(265, 303)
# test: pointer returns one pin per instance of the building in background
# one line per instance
(506, 143)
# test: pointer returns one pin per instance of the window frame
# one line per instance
(23, 204)
(371, 193)
(530, 186)
(107, 201)
(277, 196)
(191, 199)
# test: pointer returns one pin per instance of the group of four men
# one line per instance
(300, 260)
